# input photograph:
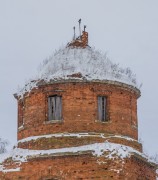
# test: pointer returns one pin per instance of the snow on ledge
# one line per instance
(78, 135)
(122, 151)
(113, 151)
(9, 170)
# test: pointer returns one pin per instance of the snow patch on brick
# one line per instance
(98, 149)
(9, 170)
(78, 135)
(157, 174)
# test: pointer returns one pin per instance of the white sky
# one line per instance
(30, 30)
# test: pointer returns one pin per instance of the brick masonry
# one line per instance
(79, 110)
(81, 42)
(79, 115)
(62, 142)
(82, 167)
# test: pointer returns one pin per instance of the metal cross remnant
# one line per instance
(85, 27)
(79, 26)
(74, 33)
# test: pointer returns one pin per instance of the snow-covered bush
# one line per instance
(3, 145)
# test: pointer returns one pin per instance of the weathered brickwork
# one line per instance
(75, 129)
(83, 167)
(80, 110)
(81, 42)
(139, 169)
(79, 117)
(62, 142)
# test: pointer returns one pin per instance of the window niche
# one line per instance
(20, 114)
(102, 109)
(54, 108)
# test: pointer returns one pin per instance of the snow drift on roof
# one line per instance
(91, 64)
(83, 64)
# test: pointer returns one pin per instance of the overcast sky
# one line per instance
(30, 31)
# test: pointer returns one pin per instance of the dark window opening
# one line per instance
(102, 108)
(55, 108)
(20, 114)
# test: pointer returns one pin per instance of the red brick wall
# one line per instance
(79, 101)
(82, 167)
(81, 42)
(138, 169)
(62, 142)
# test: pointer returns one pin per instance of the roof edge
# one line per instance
(42, 83)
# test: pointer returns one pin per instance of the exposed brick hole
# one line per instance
(20, 177)
(78, 98)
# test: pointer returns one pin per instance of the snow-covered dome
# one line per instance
(83, 63)
(79, 63)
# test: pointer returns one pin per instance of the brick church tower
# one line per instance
(78, 120)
